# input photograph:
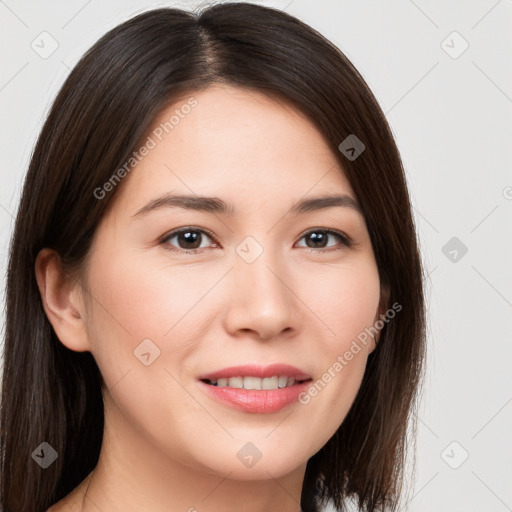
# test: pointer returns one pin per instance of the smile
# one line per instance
(251, 382)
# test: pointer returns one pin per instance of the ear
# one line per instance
(62, 301)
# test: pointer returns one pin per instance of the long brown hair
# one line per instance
(52, 394)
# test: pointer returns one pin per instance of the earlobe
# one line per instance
(61, 300)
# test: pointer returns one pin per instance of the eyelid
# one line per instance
(345, 239)
(177, 231)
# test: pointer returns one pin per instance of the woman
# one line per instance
(214, 294)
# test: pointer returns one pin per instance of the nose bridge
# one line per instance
(261, 300)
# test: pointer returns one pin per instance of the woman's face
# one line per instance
(253, 280)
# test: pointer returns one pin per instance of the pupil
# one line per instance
(317, 238)
(190, 237)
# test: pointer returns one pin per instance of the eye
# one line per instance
(319, 238)
(189, 239)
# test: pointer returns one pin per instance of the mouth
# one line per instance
(261, 396)
(274, 376)
(256, 383)
(256, 389)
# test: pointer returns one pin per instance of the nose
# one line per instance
(262, 301)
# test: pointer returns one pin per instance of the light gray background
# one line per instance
(451, 119)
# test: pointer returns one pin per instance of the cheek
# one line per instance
(141, 298)
(346, 300)
(352, 315)
(136, 300)
(348, 312)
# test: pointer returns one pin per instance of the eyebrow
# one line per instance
(218, 206)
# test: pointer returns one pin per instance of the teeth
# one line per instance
(235, 382)
(249, 382)
(270, 383)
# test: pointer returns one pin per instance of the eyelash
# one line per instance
(346, 242)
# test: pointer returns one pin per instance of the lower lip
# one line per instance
(256, 401)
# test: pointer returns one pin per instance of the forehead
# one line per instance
(237, 144)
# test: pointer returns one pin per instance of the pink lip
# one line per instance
(256, 401)
(262, 401)
(257, 371)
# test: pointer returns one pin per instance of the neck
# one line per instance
(134, 474)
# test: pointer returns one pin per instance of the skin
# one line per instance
(167, 445)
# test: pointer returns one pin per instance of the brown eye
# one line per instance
(319, 239)
(187, 239)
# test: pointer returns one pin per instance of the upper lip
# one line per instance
(257, 371)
